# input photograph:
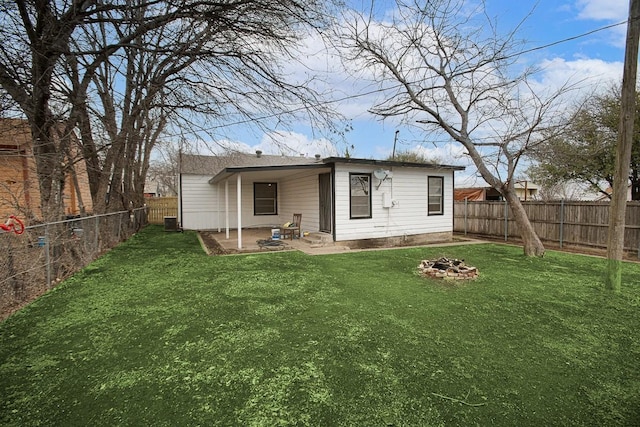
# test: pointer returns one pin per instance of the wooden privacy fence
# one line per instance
(159, 207)
(566, 223)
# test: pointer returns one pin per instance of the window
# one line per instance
(435, 195)
(265, 198)
(360, 195)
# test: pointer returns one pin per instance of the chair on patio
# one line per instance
(293, 228)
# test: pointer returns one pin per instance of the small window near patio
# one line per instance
(360, 195)
(435, 195)
(265, 198)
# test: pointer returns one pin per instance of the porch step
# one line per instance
(318, 239)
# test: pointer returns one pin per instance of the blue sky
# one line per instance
(595, 59)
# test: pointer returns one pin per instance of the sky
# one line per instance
(564, 38)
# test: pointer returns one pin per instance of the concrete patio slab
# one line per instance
(257, 240)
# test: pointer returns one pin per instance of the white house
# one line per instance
(354, 200)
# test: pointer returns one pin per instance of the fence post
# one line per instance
(47, 255)
(95, 237)
(506, 221)
(466, 200)
(561, 221)
(119, 226)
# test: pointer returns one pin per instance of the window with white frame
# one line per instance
(360, 195)
(265, 198)
(435, 195)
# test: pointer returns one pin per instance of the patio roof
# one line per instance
(390, 163)
(230, 171)
(249, 163)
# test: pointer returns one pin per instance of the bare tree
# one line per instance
(444, 67)
(125, 72)
(32, 40)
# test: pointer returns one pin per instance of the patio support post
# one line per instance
(239, 185)
(226, 206)
(218, 210)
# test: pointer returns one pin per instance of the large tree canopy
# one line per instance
(586, 151)
(125, 72)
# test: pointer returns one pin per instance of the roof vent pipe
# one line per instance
(258, 153)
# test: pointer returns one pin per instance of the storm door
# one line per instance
(324, 180)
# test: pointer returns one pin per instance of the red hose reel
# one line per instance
(14, 225)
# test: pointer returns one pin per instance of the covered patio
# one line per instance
(257, 240)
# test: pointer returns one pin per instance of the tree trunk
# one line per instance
(532, 244)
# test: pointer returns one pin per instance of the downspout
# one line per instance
(239, 196)
(333, 201)
(180, 220)
(393, 158)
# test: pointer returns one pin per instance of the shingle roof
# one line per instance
(212, 165)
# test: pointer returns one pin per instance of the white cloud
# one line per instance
(603, 10)
(276, 142)
(586, 73)
(293, 144)
(612, 11)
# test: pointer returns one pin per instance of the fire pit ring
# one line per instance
(449, 269)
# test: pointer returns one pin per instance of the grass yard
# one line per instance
(157, 333)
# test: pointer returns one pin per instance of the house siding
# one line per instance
(298, 192)
(203, 205)
(300, 195)
(407, 217)
(197, 208)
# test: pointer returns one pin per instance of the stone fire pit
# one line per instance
(445, 268)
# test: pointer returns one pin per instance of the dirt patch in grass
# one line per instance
(573, 249)
(9, 304)
(212, 246)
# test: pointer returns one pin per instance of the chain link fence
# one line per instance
(45, 254)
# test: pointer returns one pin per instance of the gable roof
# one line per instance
(213, 165)
(242, 162)
(223, 166)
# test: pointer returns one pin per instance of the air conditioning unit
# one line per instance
(170, 223)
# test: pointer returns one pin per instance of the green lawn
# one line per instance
(157, 333)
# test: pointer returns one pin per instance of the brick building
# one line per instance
(19, 187)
